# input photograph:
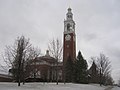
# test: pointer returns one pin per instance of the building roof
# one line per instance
(5, 76)
(47, 59)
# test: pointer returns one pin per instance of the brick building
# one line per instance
(44, 69)
(5, 78)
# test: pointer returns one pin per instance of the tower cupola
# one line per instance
(69, 14)
(69, 24)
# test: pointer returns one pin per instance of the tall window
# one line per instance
(68, 27)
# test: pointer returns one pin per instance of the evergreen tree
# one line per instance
(94, 73)
(80, 69)
(69, 70)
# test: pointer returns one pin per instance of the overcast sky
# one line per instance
(97, 25)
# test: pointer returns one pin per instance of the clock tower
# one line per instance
(69, 38)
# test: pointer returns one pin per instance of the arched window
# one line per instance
(69, 16)
(68, 27)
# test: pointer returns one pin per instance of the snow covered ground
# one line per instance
(51, 86)
(116, 88)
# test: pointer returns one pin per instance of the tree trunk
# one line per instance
(57, 73)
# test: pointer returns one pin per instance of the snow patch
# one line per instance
(49, 86)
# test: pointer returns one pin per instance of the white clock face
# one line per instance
(67, 37)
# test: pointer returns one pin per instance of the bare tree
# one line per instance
(12, 54)
(32, 55)
(104, 68)
(17, 56)
(55, 48)
(19, 52)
